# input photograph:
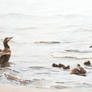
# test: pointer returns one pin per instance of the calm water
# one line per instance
(31, 21)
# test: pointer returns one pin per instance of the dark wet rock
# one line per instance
(87, 63)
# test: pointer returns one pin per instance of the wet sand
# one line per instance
(21, 89)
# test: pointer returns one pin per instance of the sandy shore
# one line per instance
(21, 89)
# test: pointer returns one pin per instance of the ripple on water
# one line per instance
(59, 86)
(38, 67)
(47, 42)
(73, 54)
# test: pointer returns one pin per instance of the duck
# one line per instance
(57, 65)
(66, 67)
(54, 65)
(90, 46)
(60, 65)
(79, 70)
(87, 63)
(75, 71)
(5, 54)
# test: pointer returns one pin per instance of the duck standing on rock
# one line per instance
(6, 53)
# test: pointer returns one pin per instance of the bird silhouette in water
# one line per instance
(87, 63)
(5, 53)
(79, 70)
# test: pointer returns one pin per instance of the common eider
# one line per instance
(5, 53)
(66, 67)
(54, 65)
(79, 70)
(60, 65)
(87, 63)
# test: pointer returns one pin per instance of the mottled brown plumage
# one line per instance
(79, 70)
(66, 67)
(6, 53)
(90, 46)
(87, 63)
(60, 65)
(54, 65)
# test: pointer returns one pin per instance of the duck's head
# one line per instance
(7, 39)
(78, 65)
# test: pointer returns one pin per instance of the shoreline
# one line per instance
(24, 89)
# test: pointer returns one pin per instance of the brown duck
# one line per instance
(79, 70)
(90, 46)
(66, 67)
(87, 63)
(57, 65)
(60, 65)
(54, 65)
(5, 53)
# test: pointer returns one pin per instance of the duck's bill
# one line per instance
(10, 38)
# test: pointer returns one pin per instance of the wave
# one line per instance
(15, 14)
(47, 42)
(71, 15)
(10, 77)
(38, 67)
(77, 51)
(72, 55)
(26, 28)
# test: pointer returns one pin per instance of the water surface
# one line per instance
(36, 27)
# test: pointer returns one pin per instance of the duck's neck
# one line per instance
(6, 46)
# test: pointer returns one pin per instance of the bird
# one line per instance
(87, 63)
(60, 65)
(66, 67)
(75, 71)
(54, 65)
(90, 46)
(5, 53)
(79, 70)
